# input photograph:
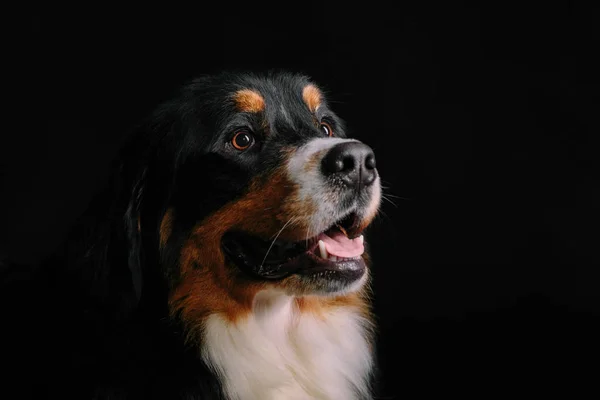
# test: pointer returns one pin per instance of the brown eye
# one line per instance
(242, 140)
(326, 128)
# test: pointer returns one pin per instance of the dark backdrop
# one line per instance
(484, 121)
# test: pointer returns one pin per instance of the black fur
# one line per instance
(92, 321)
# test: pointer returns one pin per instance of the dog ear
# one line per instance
(106, 247)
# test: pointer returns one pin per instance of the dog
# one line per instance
(224, 260)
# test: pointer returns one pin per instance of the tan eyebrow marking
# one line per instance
(312, 97)
(248, 100)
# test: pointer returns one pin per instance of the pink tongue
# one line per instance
(339, 245)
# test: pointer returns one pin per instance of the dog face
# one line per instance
(265, 192)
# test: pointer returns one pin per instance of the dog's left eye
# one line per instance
(326, 128)
(242, 140)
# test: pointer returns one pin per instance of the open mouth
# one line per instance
(335, 253)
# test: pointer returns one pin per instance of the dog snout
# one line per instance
(352, 162)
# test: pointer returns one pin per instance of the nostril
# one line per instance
(370, 161)
(348, 163)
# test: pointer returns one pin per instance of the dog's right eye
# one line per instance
(242, 140)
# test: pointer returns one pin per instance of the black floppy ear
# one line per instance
(107, 246)
(139, 185)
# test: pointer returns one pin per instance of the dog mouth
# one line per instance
(334, 253)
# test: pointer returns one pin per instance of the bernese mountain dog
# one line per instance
(225, 259)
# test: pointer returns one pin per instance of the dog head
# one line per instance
(246, 183)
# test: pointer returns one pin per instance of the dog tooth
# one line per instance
(333, 258)
(323, 249)
(361, 239)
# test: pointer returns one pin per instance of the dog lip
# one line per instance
(307, 262)
(349, 267)
(268, 259)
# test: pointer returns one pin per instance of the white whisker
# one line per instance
(397, 197)
(384, 197)
(273, 242)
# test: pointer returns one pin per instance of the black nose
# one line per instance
(352, 162)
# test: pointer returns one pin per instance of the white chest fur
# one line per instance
(280, 353)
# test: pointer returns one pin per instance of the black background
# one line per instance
(485, 123)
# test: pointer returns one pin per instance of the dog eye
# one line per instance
(242, 140)
(326, 128)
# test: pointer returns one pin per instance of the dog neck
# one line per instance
(292, 348)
